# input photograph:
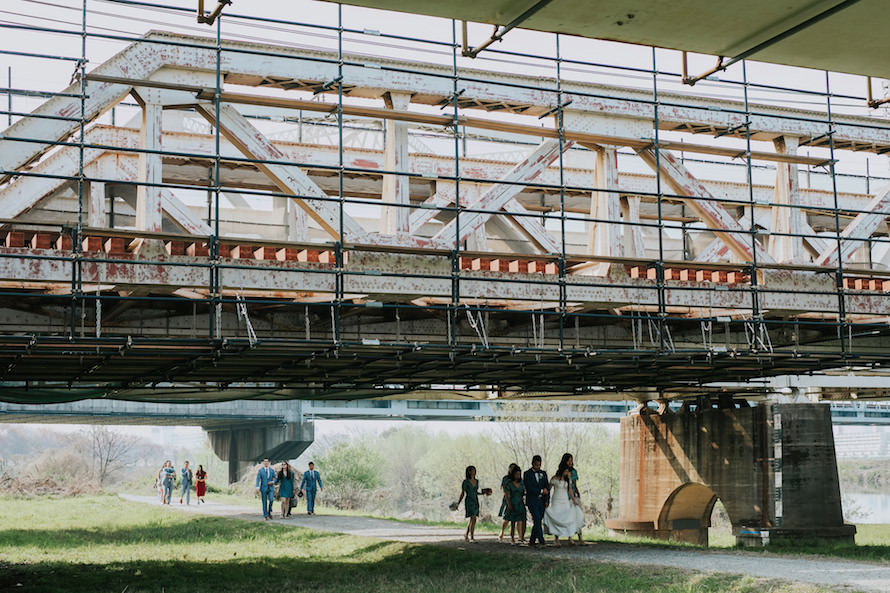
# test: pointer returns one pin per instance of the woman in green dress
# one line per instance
(285, 488)
(469, 488)
(515, 495)
(503, 510)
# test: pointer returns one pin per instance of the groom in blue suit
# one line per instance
(311, 479)
(266, 479)
(537, 497)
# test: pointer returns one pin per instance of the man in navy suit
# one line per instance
(537, 496)
(311, 480)
(265, 487)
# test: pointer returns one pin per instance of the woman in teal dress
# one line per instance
(515, 495)
(285, 488)
(469, 488)
(503, 510)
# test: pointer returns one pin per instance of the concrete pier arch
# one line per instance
(686, 514)
(772, 466)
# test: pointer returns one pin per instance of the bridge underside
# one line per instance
(51, 368)
(217, 252)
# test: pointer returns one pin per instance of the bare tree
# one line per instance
(107, 450)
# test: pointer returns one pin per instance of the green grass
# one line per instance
(101, 543)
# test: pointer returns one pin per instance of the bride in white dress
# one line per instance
(564, 517)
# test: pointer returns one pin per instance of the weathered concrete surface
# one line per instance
(772, 466)
(243, 446)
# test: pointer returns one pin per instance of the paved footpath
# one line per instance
(842, 575)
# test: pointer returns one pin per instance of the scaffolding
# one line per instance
(278, 208)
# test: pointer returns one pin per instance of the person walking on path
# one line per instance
(200, 484)
(503, 512)
(310, 485)
(168, 477)
(285, 488)
(569, 460)
(515, 498)
(186, 478)
(159, 483)
(265, 487)
(537, 498)
(469, 488)
(564, 517)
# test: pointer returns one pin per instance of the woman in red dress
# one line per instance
(200, 483)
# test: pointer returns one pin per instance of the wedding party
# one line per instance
(554, 503)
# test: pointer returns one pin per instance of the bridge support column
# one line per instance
(772, 466)
(244, 445)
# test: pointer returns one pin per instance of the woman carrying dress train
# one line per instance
(573, 482)
(564, 517)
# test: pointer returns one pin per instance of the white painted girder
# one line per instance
(529, 225)
(502, 193)
(180, 214)
(290, 179)
(24, 192)
(708, 210)
(858, 230)
(142, 59)
(781, 292)
(441, 167)
(396, 187)
(787, 219)
(148, 192)
(605, 206)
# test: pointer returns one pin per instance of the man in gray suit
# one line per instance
(186, 477)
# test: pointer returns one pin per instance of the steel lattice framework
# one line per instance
(277, 221)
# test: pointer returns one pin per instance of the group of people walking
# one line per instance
(554, 504)
(188, 479)
(284, 477)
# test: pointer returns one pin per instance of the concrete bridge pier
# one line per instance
(243, 445)
(773, 467)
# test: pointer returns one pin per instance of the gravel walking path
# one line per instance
(844, 575)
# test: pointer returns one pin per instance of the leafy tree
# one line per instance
(350, 470)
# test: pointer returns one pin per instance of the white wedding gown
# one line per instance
(563, 517)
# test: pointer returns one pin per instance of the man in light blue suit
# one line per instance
(265, 487)
(311, 479)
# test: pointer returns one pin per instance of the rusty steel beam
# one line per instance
(290, 179)
(709, 210)
(148, 193)
(498, 196)
(859, 230)
(110, 82)
(396, 187)
(787, 217)
(400, 277)
(605, 206)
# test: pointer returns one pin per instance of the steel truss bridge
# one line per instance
(650, 240)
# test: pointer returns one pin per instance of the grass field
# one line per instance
(101, 543)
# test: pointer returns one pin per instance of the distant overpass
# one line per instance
(215, 416)
(244, 431)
